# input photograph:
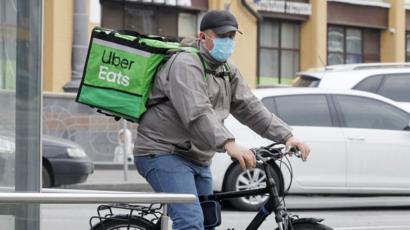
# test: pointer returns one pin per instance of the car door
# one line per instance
(311, 119)
(378, 146)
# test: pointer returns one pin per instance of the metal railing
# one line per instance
(68, 196)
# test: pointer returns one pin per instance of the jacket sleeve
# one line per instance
(250, 111)
(188, 94)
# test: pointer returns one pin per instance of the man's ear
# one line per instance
(202, 36)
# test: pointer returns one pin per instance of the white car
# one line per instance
(360, 143)
(391, 80)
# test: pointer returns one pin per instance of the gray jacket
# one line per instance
(191, 121)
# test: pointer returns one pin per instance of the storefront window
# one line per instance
(353, 46)
(140, 20)
(279, 52)
(166, 21)
(348, 45)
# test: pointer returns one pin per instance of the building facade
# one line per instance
(280, 37)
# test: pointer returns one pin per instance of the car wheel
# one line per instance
(46, 177)
(238, 180)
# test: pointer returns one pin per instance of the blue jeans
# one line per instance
(171, 173)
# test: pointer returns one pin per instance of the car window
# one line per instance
(269, 102)
(360, 112)
(396, 87)
(370, 84)
(305, 81)
(304, 110)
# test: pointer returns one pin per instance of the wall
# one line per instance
(58, 33)
(392, 40)
(313, 46)
(245, 55)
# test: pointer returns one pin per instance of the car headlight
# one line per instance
(76, 153)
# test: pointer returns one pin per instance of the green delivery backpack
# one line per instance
(120, 69)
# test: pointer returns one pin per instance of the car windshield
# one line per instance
(305, 81)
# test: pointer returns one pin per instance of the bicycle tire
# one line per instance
(119, 222)
(309, 226)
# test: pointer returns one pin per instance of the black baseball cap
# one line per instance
(220, 21)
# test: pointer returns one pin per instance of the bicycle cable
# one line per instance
(290, 170)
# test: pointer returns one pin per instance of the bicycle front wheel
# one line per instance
(119, 222)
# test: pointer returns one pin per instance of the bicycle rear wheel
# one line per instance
(120, 222)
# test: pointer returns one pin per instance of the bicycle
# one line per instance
(152, 218)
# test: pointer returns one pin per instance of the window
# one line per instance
(360, 112)
(370, 84)
(352, 45)
(407, 46)
(396, 87)
(164, 21)
(305, 81)
(141, 20)
(8, 43)
(304, 110)
(279, 52)
(269, 102)
(20, 111)
(335, 45)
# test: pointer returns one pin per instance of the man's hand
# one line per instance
(304, 148)
(245, 156)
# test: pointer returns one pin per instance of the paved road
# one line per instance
(114, 180)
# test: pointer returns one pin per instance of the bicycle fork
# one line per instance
(273, 204)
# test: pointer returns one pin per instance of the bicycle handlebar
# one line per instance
(275, 152)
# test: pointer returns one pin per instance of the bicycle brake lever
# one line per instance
(292, 150)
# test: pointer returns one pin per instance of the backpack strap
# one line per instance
(226, 73)
(206, 69)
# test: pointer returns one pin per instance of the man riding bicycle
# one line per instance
(184, 124)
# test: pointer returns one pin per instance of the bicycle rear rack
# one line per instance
(150, 212)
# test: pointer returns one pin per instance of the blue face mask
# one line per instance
(223, 48)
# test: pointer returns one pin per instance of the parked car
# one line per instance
(391, 80)
(360, 143)
(64, 162)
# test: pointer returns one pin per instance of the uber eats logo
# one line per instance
(113, 59)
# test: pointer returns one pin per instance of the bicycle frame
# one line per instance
(273, 204)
